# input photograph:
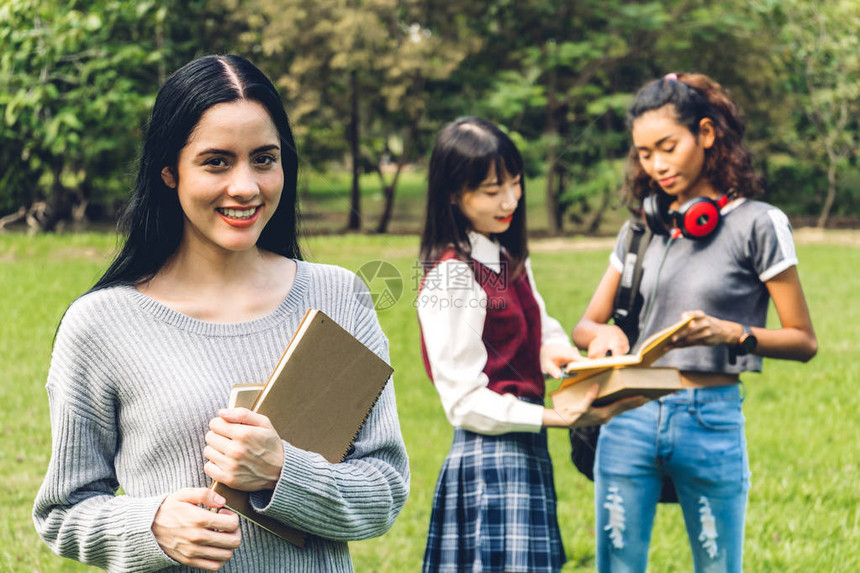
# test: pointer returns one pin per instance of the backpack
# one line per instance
(625, 315)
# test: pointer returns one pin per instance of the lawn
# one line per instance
(802, 420)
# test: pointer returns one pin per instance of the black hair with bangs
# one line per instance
(464, 152)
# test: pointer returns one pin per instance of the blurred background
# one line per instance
(368, 83)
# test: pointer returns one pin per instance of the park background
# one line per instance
(367, 84)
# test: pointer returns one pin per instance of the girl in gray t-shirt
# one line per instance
(718, 256)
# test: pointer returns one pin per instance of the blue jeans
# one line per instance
(696, 437)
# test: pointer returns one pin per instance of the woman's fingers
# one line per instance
(193, 535)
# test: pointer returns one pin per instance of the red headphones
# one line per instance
(696, 218)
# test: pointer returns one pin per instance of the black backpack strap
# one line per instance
(625, 311)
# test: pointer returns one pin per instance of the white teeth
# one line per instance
(239, 213)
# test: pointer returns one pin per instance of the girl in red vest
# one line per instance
(487, 342)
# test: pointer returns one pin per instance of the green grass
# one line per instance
(802, 420)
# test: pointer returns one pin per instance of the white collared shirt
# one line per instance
(452, 309)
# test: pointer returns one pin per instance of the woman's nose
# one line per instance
(512, 196)
(243, 183)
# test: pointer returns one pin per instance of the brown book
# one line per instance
(652, 348)
(317, 398)
(619, 383)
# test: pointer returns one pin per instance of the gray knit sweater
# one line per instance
(132, 387)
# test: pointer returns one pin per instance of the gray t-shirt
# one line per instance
(723, 275)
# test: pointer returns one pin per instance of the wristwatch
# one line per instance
(746, 343)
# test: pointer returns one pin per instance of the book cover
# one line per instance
(652, 349)
(619, 383)
(317, 398)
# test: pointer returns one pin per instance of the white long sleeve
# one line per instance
(452, 312)
(452, 320)
(551, 330)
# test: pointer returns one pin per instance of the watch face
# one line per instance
(748, 343)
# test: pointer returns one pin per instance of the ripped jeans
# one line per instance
(696, 437)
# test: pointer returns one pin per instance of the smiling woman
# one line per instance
(228, 179)
(487, 341)
(207, 291)
(231, 166)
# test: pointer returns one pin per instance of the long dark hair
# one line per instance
(465, 150)
(153, 221)
(728, 164)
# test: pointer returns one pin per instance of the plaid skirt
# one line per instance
(495, 507)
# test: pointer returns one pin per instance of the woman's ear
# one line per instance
(168, 178)
(707, 132)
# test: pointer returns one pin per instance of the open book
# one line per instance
(317, 398)
(652, 348)
(618, 383)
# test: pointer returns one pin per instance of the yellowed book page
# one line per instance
(652, 348)
(655, 345)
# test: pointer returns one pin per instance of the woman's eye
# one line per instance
(265, 160)
(216, 162)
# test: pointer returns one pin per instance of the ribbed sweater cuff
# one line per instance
(138, 518)
(301, 485)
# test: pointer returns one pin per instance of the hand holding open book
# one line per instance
(652, 349)
(625, 375)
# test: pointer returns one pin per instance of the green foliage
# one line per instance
(317, 45)
(73, 77)
(77, 79)
(822, 56)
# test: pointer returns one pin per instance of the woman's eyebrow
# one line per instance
(656, 144)
(215, 151)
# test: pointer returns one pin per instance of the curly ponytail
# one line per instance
(728, 164)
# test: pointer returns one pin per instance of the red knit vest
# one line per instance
(512, 332)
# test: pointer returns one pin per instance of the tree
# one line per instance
(571, 70)
(354, 76)
(69, 73)
(77, 79)
(823, 57)
(560, 87)
(417, 56)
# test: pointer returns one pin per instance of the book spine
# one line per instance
(366, 416)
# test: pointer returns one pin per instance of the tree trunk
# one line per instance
(13, 218)
(831, 194)
(552, 210)
(354, 223)
(58, 203)
(554, 223)
(389, 190)
(597, 218)
(388, 208)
